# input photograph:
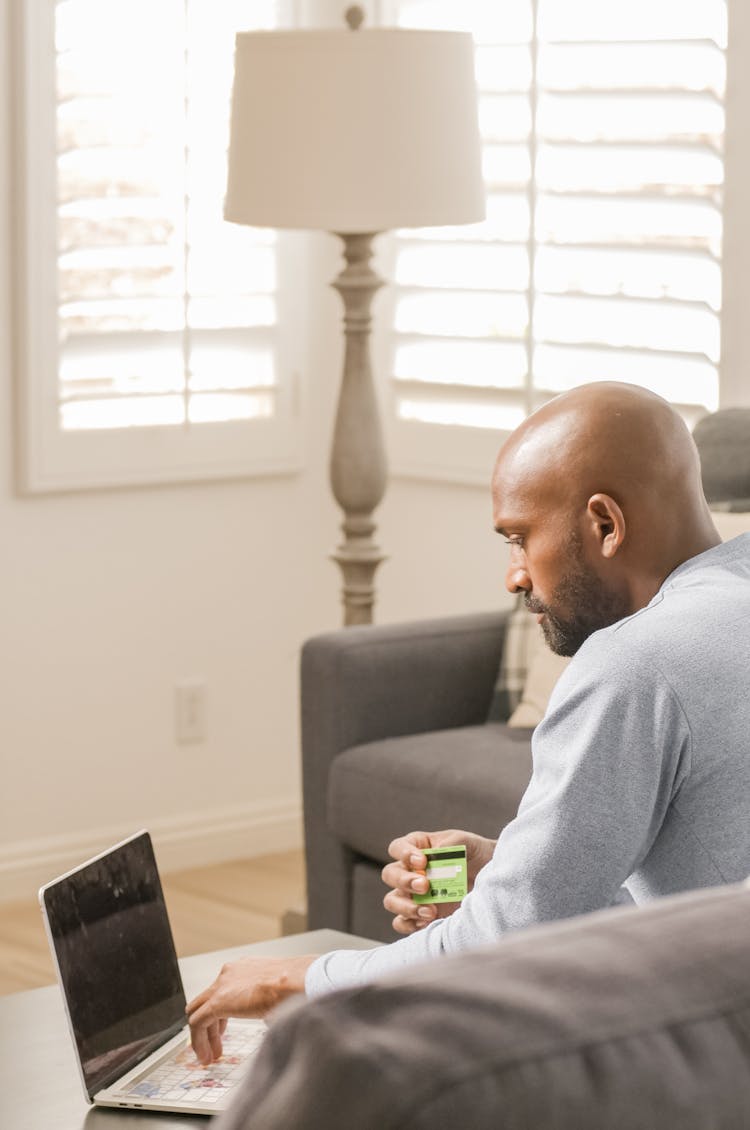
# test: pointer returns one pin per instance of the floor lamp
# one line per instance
(356, 132)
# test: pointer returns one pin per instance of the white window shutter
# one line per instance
(146, 312)
(600, 258)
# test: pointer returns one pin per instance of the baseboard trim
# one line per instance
(188, 840)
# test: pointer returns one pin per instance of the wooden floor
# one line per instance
(209, 908)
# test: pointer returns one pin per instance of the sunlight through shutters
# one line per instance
(165, 312)
(600, 258)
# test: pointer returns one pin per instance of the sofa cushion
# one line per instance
(630, 1019)
(469, 777)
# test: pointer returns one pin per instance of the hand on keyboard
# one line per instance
(249, 987)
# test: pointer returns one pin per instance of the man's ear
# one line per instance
(607, 523)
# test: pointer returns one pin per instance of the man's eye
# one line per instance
(514, 541)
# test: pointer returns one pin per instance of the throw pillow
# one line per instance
(520, 644)
(545, 669)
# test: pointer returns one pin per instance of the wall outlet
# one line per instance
(190, 712)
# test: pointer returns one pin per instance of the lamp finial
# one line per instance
(354, 16)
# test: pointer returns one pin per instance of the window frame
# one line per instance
(49, 459)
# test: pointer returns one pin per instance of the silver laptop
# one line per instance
(116, 963)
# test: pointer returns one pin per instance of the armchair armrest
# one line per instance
(363, 684)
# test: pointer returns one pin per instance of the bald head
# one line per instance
(611, 472)
(615, 438)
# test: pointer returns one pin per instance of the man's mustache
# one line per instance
(534, 605)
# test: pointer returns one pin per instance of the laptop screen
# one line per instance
(116, 957)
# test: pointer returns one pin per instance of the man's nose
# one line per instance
(517, 579)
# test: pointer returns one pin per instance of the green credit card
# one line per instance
(446, 871)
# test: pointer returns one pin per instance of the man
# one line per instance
(642, 763)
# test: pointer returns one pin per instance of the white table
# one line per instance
(40, 1087)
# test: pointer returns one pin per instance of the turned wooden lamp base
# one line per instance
(358, 465)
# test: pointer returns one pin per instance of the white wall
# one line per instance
(107, 599)
(444, 556)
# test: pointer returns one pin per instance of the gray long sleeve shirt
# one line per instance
(641, 774)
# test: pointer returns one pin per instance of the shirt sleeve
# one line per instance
(608, 759)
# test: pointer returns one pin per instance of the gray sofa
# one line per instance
(395, 737)
(628, 1019)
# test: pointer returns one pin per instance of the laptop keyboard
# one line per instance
(181, 1078)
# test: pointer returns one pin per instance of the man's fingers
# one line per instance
(403, 925)
(405, 881)
(214, 1039)
(198, 1002)
(200, 1038)
(404, 846)
(206, 1029)
(401, 879)
(397, 902)
(391, 874)
(408, 916)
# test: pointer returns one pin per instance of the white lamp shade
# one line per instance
(354, 131)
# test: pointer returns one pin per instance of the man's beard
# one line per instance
(591, 607)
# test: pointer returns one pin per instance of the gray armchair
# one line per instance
(395, 737)
(723, 442)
